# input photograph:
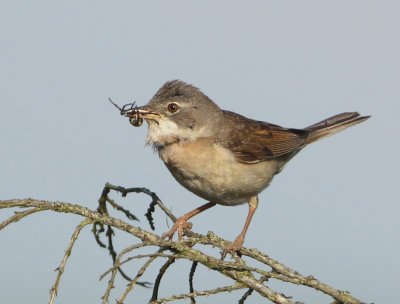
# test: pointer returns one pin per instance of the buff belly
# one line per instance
(211, 172)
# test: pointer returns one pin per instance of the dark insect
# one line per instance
(130, 110)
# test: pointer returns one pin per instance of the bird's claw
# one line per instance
(233, 247)
(179, 225)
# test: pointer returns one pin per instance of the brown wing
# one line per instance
(253, 141)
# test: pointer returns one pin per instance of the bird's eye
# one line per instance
(173, 107)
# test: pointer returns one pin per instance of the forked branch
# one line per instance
(244, 277)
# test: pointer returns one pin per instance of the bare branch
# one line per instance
(191, 274)
(199, 293)
(17, 216)
(245, 296)
(155, 198)
(139, 274)
(53, 290)
(114, 269)
(163, 269)
(126, 250)
(245, 277)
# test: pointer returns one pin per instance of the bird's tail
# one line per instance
(333, 125)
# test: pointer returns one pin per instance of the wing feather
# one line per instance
(253, 141)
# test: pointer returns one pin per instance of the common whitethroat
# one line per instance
(222, 156)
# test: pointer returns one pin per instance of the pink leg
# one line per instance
(181, 223)
(238, 242)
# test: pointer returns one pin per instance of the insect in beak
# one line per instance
(130, 110)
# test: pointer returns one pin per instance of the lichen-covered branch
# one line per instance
(242, 275)
(198, 293)
(60, 269)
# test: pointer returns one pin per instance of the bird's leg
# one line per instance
(238, 242)
(181, 223)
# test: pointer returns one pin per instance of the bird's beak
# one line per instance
(143, 112)
(136, 115)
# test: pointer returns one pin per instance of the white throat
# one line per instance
(166, 132)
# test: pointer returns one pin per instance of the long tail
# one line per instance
(333, 125)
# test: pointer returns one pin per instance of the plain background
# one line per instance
(333, 212)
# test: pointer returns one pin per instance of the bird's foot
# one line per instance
(233, 247)
(179, 225)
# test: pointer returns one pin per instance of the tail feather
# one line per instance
(333, 125)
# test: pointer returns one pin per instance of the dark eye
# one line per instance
(173, 107)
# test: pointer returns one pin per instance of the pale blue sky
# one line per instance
(333, 212)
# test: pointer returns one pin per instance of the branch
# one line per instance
(117, 265)
(163, 269)
(17, 216)
(139, 274)
(53, 290)
(198, 293)
(244, 277)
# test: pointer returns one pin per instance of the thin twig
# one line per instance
(245, 296)
(155, 198)
(161, 272)
(191, 274)
(250, 290)
(17, 216)
(53, 290)
(126, 250)
(141, 256)
(110, 232)
(139, 274)
(127, 213)
(116, 266)
(198, 293)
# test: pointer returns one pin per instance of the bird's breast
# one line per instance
(212, 172)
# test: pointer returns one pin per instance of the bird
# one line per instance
(221, 156)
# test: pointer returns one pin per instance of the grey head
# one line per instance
(179, 112)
